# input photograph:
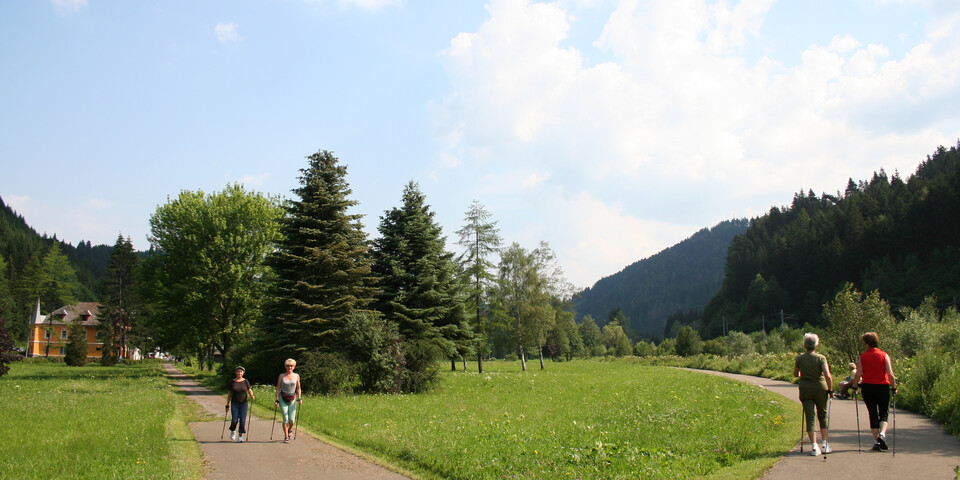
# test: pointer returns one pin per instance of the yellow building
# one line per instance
(50, 334)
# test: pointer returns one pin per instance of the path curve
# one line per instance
(259, 457)
(923, 449)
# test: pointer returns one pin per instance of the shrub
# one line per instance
(714, 347)
(739, 343)
(644, 349)
(327, 373)
(688, 342)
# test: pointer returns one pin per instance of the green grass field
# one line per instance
(578, 420)
(95, 422)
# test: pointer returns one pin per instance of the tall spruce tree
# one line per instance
(120, 299)
(419, 289)
(322, 266)
(480, 238)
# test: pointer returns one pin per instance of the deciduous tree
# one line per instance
(209, 277)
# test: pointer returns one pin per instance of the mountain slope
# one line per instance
(680, 278)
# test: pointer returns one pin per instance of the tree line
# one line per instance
(898, 237)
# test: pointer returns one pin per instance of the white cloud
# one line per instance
(227, 32)
(372, 5)
(69, 6)
(680, 118)
(254, 180)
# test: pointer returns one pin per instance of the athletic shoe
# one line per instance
(286, 440)
(233, 436)
(241, 440)
(815, 450)
(882, 441)
(825, 447)
(876, 447)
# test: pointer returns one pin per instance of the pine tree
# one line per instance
(322, 265)
(481, 238)
(6, 348)
(76, 354)
(419, 289)
(120, 300)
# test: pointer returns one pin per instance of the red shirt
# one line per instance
(874, 366)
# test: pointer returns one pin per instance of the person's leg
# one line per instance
(285, 420)
(243, 415)
(234, 415)
(809, 409)
(820, 400)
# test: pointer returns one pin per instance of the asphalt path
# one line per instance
(923, 449)
(262, 458)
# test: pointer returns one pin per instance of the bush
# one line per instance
(326, 373)
(644, 349)
(714, 347)
(739, 343)
(376, 347)
(688, 342)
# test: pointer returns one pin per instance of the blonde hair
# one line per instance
(290, 361)
(852, 366)
(810, 341)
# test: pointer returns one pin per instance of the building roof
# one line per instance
(88, 313)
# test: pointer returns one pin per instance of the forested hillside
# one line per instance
(899, 237)
(31, 267)
(678, 279)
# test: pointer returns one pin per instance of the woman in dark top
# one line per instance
(875, 375)
(237, 391)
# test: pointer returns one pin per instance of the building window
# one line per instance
(63, 334)
(46, 334)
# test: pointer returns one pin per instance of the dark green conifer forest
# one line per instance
(898, 236)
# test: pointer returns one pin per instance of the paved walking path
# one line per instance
(259, 457)
(923, 449)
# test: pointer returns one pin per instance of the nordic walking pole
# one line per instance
(856, 407)
(296, 422)
(894, 423)
(249, 418)
(225, 409)
(275, 405)
(829, 413)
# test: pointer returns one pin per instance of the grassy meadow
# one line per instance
(95, 422)
(578, 420)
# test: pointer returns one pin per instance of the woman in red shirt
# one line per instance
(875, 375)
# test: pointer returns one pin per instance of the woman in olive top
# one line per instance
(237, 391)
(815, 385)
(288, 396)
(875, 375)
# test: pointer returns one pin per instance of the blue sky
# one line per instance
(610, 129)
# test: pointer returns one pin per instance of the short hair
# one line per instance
(289, 361)
(871, 339)
(239, 369)
(810, 341)
(852, 366)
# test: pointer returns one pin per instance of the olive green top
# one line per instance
(811, 370)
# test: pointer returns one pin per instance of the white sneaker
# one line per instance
(241, 439)
(825, 447)
(233, 436)
(815, 451)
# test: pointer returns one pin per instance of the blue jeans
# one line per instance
(238, 413)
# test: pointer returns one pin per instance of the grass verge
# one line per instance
(581, 419)
(95, 422)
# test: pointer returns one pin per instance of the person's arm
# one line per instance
(855, 381)
(276, 398)
(299, 393)
(249, 389)
(893, 378)
(796, 367)
(827, 376)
